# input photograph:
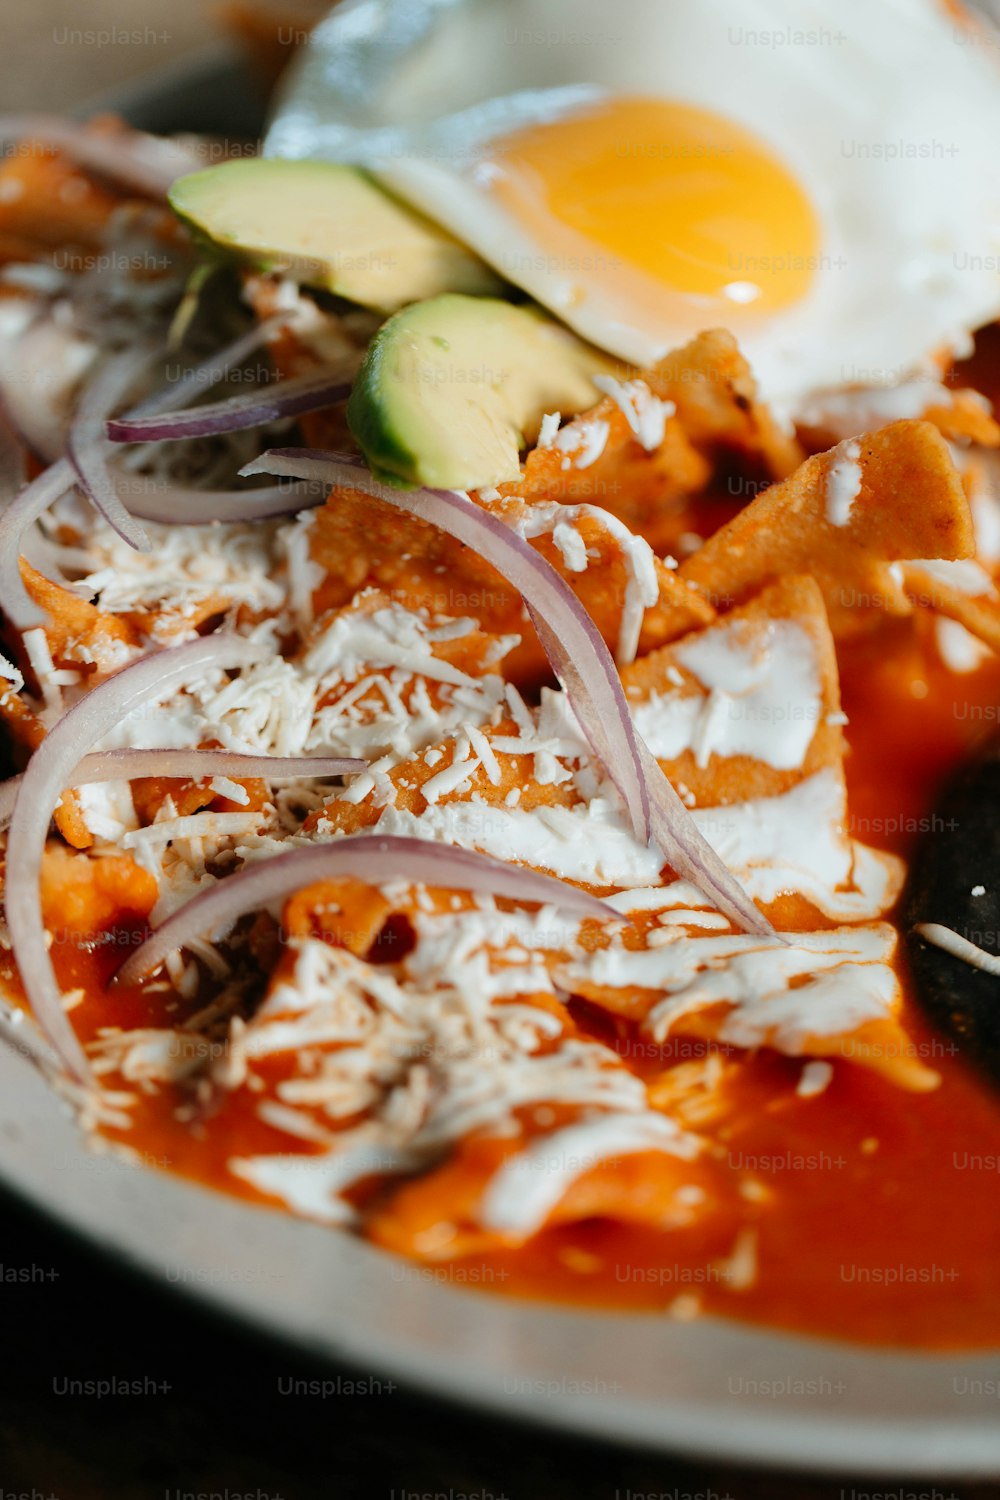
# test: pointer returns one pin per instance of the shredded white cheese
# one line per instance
(843, 483)
(959, 947)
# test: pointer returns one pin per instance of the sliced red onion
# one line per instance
(88, 447)
(208, 374)
(168, 506)
(34, 385)
(574, 635)
(693, 856)
(175, 505)
(365, 856)
(49, 771)
(147, 163)
(178, 505)
(286, 398)
(675, 832)
(12, 463)
(579, 657)
(128, 765)
(22, 513)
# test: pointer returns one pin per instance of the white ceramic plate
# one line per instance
(706, 1388)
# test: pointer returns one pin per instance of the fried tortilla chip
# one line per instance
(962, 591)
(454, 771)
(817, 994)
(962, 415)
(47, 202)
(347, 913)
(748, 706)
(440, 1215)
(718, 404)
(83, 639)
(87, 897)
(658, 440)
(643, 480)
(845, 517)
(361, 542)
(79, 634)
(882, 1046)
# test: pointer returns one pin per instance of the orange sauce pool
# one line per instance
(882, 1221)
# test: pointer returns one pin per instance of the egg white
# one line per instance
(887, 112)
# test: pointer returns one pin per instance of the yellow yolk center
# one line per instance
(680, 194)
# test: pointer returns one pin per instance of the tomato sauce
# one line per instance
(878, 1221)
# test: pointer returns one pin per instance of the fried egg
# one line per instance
(819, 181)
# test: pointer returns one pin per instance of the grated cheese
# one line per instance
(959, 947)
(843, 483)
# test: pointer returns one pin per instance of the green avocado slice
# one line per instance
(453, 388)
(329, 226)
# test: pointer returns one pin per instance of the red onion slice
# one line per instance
(580, 660)
(22, 513)
(13, 460)
(672, 827)
(286, 398)
(573, 636)
(208, 374)
(365, 856)
(88, 447)
(34, 385)
(147, 163)
(176, 505)
(168, 505)
(50, 770)
(128, 765)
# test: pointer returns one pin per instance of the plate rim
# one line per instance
(141, 1219)
(778, 1436)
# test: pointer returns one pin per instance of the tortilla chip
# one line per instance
(47, 202)
(164, 620)
(633, 1188)
(645, 488)
(962, 415)
(662, 677)
(82, 638)
(361, 542)
(958, 600)
(469, 651)
(22, 726)
(79, 634)
(718, 405)
(777, 819)
(911, 503)
(514, 774)
(717, 419)
(882, 1046)
(89, 896)
(347, 913)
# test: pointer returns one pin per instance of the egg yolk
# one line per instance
(679, 194)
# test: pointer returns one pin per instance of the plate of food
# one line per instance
(500, 615)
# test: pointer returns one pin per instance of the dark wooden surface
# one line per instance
(210, 1418)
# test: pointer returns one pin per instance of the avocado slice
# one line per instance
(329, 226)
(452, 389)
